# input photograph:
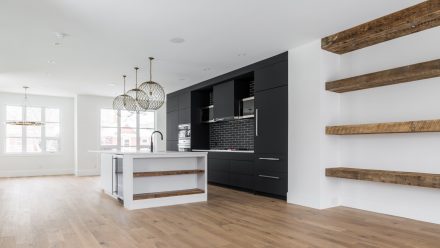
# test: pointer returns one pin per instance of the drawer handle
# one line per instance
(271, 177)
(273, 159)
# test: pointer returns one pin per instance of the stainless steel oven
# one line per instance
(184, 143)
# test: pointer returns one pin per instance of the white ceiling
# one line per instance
(107, 38)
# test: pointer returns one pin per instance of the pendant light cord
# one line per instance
(136, 68)
(151, 65)
(124, 76)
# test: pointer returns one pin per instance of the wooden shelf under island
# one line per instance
(395, 177)
(388, 127)
(166, 173)
(167, 194)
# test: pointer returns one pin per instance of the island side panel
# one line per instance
(106, 173)
(128, 181)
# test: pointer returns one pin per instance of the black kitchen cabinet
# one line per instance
(271, 121)
(172, 103)
(224, 101)
(271, 182)
(172, 145)
(231, 169)
(272, 76)
(184, 116)
(172, 123)
(218, 171)
(185, 100)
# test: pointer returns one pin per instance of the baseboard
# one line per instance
(87, 172)
(33, 173)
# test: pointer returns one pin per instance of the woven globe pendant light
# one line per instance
(124, 101)
(139, 96)
(154, 91)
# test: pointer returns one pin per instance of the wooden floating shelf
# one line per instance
(167, 194)
(396, 177)
(166, 173)
(390, 127)
(399, 75)
(404, 22)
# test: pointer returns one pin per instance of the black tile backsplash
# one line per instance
(234, 134)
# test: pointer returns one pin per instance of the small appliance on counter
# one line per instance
(184, 143)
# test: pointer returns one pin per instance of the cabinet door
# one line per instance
(224, 100)
(218, 171)
(271, 76)
(271, 182)
(172, 103)
(172, 145)
(172, 123)
(184, 116)
(271, 121)
(185, 100)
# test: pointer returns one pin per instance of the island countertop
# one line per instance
(153, 154)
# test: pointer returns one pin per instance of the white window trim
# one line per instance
(43, 152)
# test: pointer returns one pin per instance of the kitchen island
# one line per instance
(146, 179)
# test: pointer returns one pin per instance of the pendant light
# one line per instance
(124, 101)
(154, 91)
(24, 122)
(139, 96)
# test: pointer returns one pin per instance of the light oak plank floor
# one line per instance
(67, 211)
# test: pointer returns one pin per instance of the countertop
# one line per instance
(241, 151)
(153, 154)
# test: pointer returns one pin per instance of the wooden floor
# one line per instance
(69, 211)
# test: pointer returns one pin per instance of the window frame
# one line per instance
(24, 135)
(119, 127)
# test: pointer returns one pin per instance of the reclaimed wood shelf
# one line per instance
(167, 194)
(404, 22)
(399, 75)
(396, 177)
(167, 173)
(390, 127)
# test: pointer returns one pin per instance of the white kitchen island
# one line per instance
(145, 179)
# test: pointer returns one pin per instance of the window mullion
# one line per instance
(138, 139)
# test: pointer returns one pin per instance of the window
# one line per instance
(125, 130)
(32, 139)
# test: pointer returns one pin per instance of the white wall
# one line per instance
(87, 131)
(402, 152)
(311, 108)
(43, 164)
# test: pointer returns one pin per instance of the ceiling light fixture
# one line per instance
(154, 91)
(177, 40)
(24, 122)
(124, 101)
(141, 98)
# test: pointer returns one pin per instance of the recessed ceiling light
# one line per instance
(182, 79)
(51, 61)
(241, 54)
(57, 44)
(206, 69)
(177, 40)
(111, 85)
(60, 35)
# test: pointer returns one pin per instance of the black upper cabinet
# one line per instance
(184, 116)
(224, 101)
(185, 100)
(271, 76)
(172, 145)
(172, 103)
(172, 123)
(271, 121)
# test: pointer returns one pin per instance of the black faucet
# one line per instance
(151, 139)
